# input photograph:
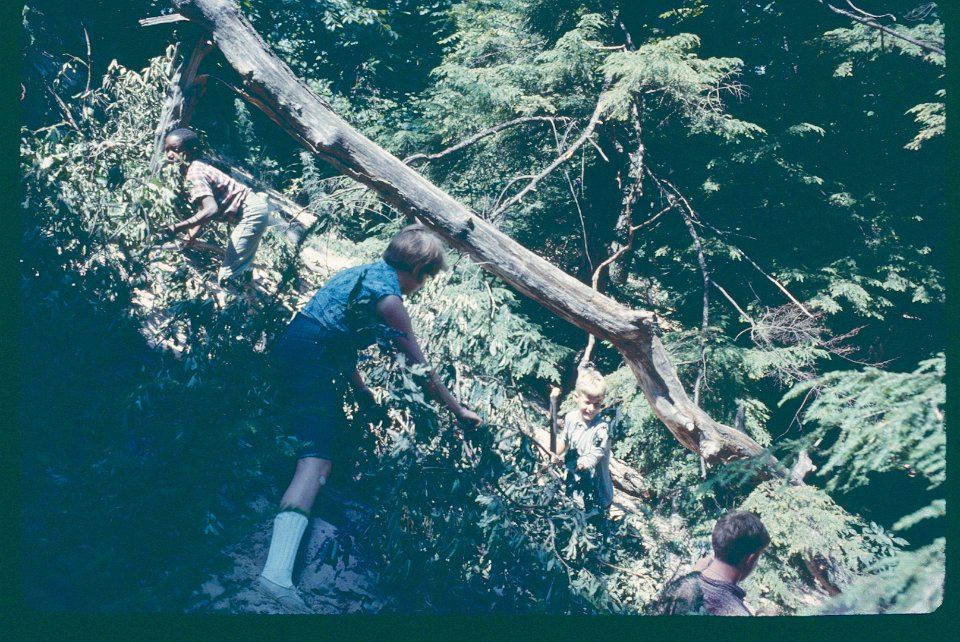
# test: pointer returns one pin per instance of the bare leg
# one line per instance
(311, 474)
(289, 526)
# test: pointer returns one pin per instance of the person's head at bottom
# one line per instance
(739, 538)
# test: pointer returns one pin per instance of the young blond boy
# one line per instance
(587, 436)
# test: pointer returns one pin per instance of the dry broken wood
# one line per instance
(288, 101)
(182, 93)
(162, 20)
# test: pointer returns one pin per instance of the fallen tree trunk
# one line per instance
(273, 87)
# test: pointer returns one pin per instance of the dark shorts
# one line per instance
(309, 388)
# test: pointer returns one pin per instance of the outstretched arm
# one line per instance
(394, 314)
(207, 210)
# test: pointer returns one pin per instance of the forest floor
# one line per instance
(334, 574)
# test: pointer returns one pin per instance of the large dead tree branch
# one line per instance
(313, 123)
(182, 93)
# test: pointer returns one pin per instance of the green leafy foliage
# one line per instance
(910, 582)
(932, 117)
(810, 533)
(100, 455)
(695, 85)
(862, 42)
(143, 463)
(884, 420)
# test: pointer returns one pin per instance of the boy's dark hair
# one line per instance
(415, 247)
(737, 535)
(189, 141)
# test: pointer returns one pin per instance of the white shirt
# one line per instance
(591, 442)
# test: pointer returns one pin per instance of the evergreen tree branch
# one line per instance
(562, 158)
(869, 21)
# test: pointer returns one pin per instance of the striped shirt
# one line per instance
(205, 180)
(694, 594)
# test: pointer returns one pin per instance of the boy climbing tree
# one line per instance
(314, 358)
(217, 196)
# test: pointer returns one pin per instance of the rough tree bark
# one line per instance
(275, 89)
(182, 93)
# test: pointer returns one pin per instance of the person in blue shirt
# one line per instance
(355, 308)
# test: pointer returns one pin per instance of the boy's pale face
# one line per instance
(589, 405)
(410, 282)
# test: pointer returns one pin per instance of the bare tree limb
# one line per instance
(625, 220)
(63, 108)
(873, 24)
(562, 158)
(493, 214)
(870, 15)
(162, 20)
(779, 285)
(86, 36)
(746, 317)
(688, 214)
(466, 142)
(595, 281)
(576, 201)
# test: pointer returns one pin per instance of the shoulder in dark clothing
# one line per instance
(694, 594)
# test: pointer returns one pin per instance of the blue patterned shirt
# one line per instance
(346, 307)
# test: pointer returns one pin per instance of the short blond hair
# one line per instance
(414, 247)
(590, 382)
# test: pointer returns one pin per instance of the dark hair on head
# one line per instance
(415, 247)
(737, 535)
(189, 141)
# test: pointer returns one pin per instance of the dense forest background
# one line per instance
(768, 178)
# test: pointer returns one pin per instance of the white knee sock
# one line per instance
(288, 528)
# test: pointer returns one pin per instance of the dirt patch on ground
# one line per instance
(334, 574)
